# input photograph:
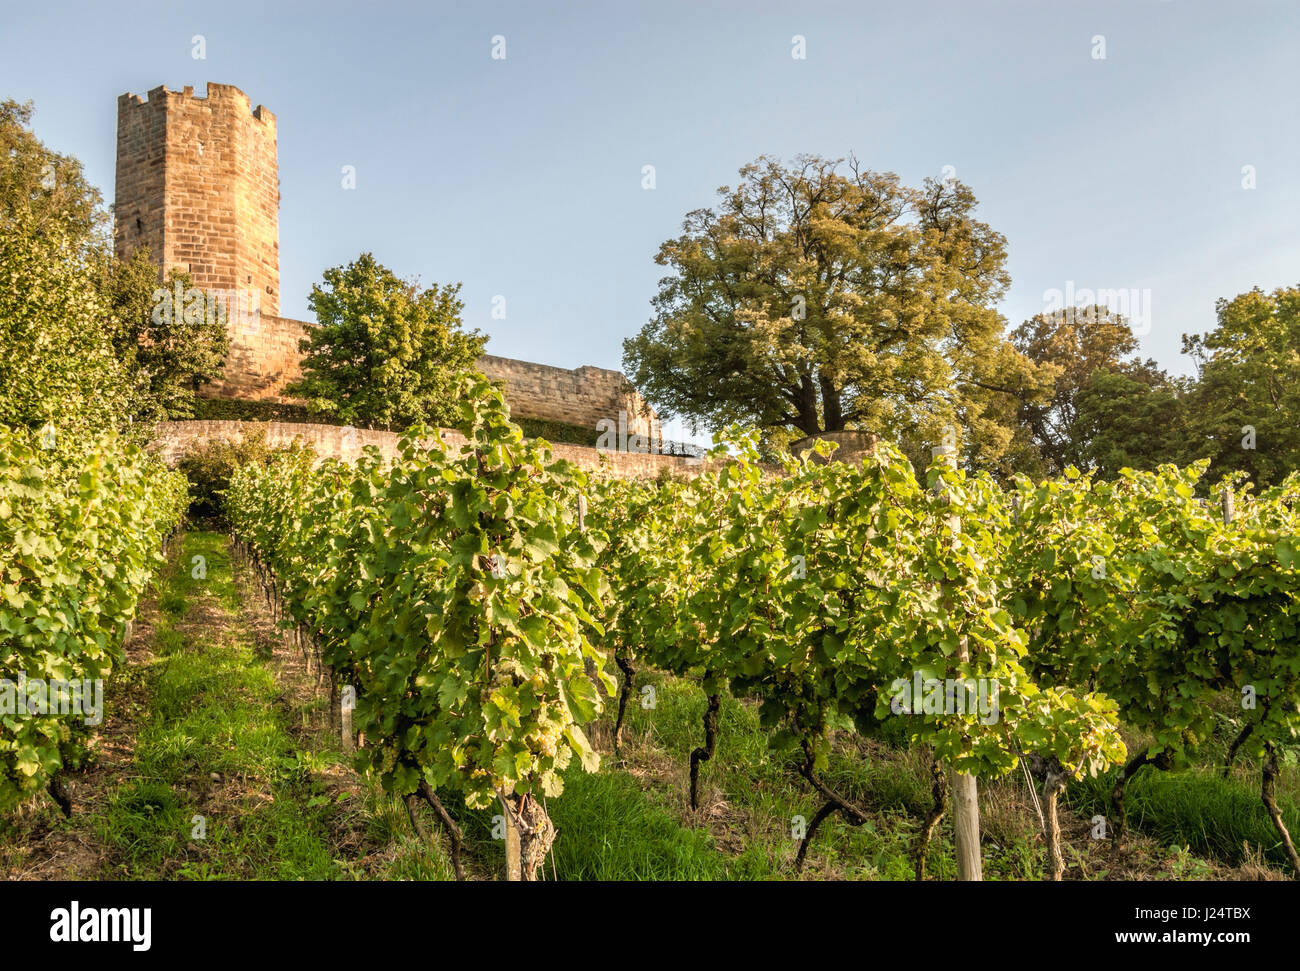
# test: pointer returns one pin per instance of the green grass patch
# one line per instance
(217, 788)
(1196, 808)
(557, 431)
(231, 409)
(608, 830)
(765, 797)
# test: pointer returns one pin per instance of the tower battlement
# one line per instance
(198, 184)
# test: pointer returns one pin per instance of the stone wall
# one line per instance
(263, 358)
(172, 439)
(582, 396)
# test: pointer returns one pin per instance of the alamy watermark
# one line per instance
(1132, 304)
(946, 696)
(617, 436)
(36, 696)
(77, 924)
(194, 306)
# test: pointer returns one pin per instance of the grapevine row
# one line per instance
(461, 596)
(81, 528)
(458, 596)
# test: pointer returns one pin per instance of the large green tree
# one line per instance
(1246, 406)
(1134, 420)
(82, 347)
(386, 352)
(1102, 395)
(819, 296)
(57, 364)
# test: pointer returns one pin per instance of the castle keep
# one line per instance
(198, 184)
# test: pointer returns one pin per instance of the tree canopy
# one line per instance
(168, 348)
(386, 352)
(1089, 357)
(820, 296)
(81, 347)
(1246, 404)
(57, 366)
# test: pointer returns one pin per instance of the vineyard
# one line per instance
(664, 453)
(83, 526)
(476, 612)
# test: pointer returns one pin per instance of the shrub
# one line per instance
(210, 464)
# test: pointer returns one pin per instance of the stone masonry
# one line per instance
(263, 358)
(582, 396)
(198, 183)
(173, 439)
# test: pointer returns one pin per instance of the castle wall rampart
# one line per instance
(198, 184)
(173, 439)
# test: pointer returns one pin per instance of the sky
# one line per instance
(522, 177)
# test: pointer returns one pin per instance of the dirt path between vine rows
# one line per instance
(210, 762)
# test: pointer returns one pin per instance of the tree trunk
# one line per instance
(828, 807)
(939, 791)
(347, 735)
(808, 419)
(1236, 744)
(1118, 811)
(705, 753)
(1052, 788)
(529, 836)
(59, 793)
(966, 817)
(965, 790)
(448, 824)
(832, 412)
(834, 803)
(514, 855)
(629, 680)
(1270, 803)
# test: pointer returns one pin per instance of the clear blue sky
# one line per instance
(522, 177)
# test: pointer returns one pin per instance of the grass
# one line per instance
(1197, 809)
(753, 802)
(607, 830)
(216, 788)
(1186, 826)
(610, 831)
(233, 409)
(218, 743)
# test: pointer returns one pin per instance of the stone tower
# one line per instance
(198, 183)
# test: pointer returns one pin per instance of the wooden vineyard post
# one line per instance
(1229, 510)
(964, 789)
(514, 854)
(347, 701)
